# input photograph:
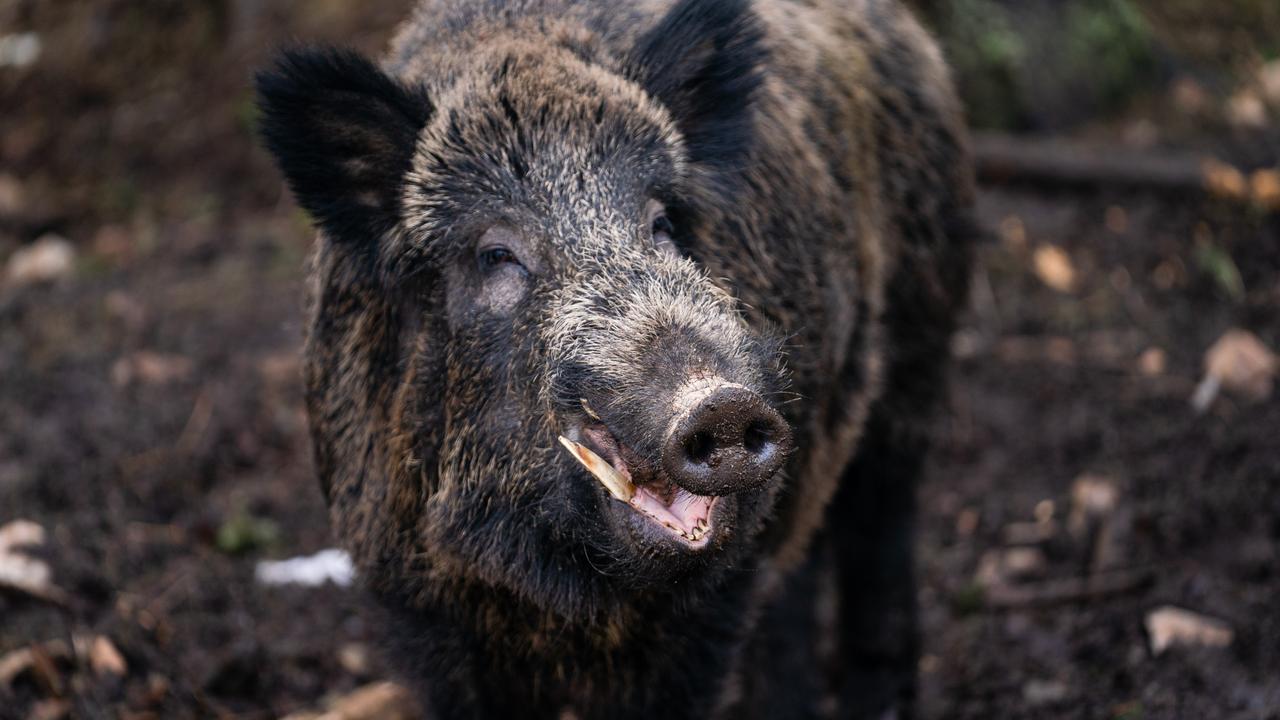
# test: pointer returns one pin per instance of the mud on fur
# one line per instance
(716, 246)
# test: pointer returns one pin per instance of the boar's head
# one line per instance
(519, 373)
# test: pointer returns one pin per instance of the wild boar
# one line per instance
(626, 323)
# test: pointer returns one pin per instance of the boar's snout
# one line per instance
(724, 439)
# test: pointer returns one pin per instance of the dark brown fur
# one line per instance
(830, 210)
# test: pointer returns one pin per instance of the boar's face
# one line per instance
(570, 402)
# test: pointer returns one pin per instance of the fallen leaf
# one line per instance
(1240, 363)
(40, 659)
(375, 701)
(36, 659)
(22, 573)
(13, 664)
(1266, 188)
(48, 259)
(105, 659)
(1168, 626)
(1224, 180)
(1053, 266)
(20, 533)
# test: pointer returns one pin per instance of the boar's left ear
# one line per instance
(703, 61)
(343, 133)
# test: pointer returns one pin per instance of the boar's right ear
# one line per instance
(704, 61)
(343, 133)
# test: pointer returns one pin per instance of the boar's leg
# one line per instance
(436, 660)
(786, 666)
(871, 530)
(870, 522)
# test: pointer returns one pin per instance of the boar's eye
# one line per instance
(661, 228)
(491, 258)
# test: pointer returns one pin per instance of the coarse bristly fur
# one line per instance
(542, 213)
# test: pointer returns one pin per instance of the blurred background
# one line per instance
(1100, 531)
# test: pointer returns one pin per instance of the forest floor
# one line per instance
(151, 415)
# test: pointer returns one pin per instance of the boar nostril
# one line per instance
(756, 436)
(728, 442)
(700, 447)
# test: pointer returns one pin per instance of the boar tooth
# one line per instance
(613, 481)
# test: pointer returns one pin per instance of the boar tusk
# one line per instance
(613, 481)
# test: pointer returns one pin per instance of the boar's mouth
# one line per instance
(643, 486)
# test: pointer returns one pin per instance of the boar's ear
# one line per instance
(703, 61)
(343, 133)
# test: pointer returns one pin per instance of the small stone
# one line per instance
(48, 259)
(1168, 626)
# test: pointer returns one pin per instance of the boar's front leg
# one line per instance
(871, 529)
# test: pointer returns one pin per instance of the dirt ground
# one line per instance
(151, 420)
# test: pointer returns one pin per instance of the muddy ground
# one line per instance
(151, 421)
